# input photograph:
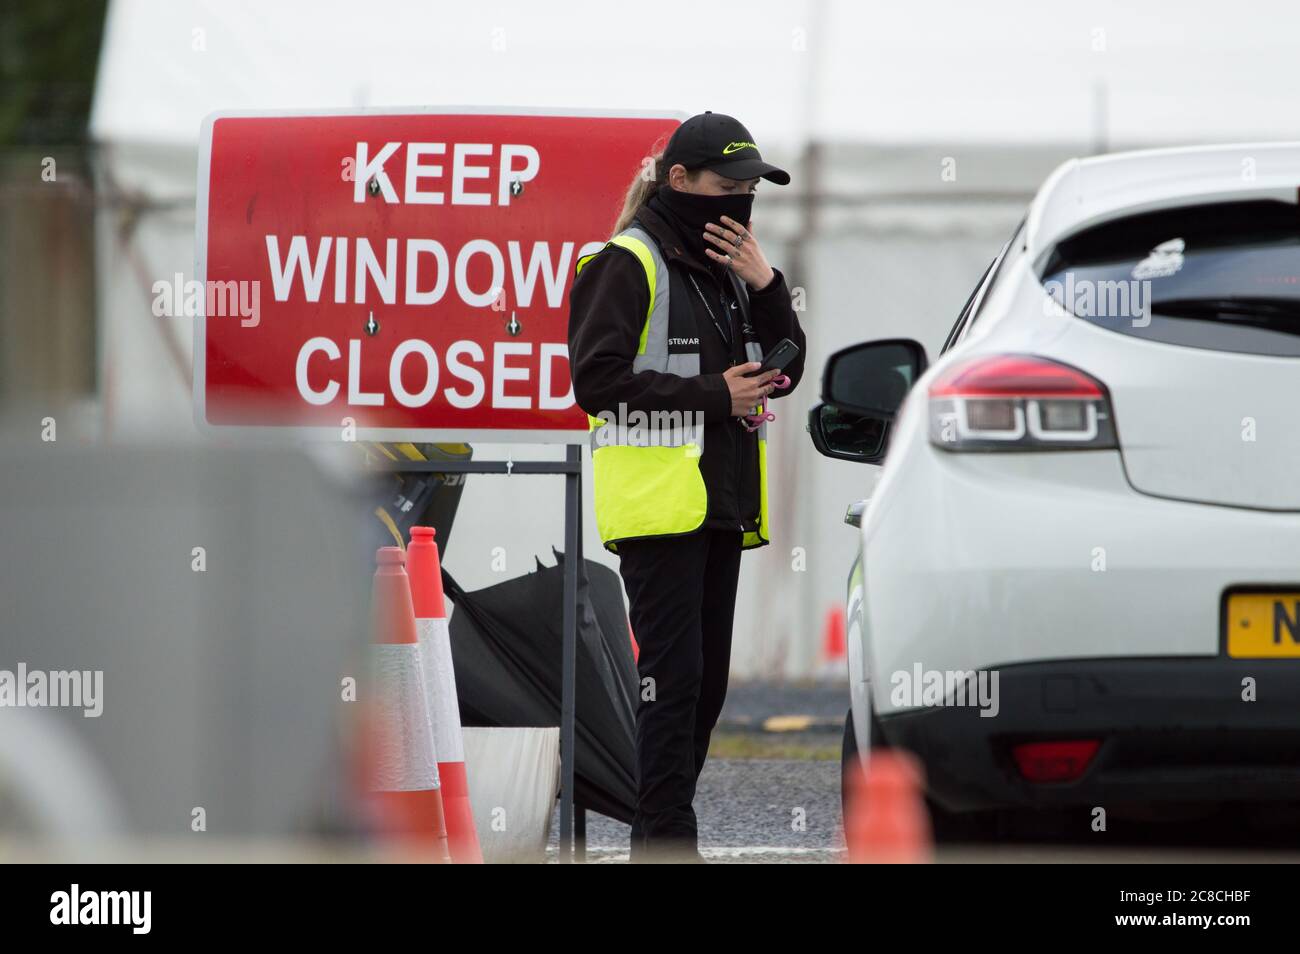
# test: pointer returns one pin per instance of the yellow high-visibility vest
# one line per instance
(647, 468)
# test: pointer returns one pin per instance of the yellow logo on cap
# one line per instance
(737, 146)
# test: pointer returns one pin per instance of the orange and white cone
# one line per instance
(834, 645)
(886, 818)
(402, 766)
(440, 685)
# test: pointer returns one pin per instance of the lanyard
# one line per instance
(725, 335)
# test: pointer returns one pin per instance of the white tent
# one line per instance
(934, 70)
(998, 91)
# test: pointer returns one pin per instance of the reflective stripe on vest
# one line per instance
(647, 480)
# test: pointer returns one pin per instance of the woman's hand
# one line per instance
(739, 251)
(747, 392)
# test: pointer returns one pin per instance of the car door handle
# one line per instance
(853, 516)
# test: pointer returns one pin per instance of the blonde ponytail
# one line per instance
(651, 176)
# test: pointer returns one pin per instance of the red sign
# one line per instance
(404, 273)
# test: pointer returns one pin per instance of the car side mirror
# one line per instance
(863, 387)
(874, 377)
(847, 435)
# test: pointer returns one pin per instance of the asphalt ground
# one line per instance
(750, 810)
(770, 791)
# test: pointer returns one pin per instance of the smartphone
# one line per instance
(782, 353)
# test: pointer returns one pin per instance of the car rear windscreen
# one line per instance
(1224, 276)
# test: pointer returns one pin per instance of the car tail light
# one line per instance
(1064, 761)
(1012, 402)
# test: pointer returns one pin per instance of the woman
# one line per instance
(666, 326)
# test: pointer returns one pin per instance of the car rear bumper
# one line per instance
(1171, 730)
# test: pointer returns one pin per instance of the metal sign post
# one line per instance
(571, 819)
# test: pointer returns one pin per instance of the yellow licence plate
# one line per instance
(1263, 625)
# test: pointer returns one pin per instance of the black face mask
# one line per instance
(692, 211)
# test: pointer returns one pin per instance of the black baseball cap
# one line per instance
(714, 141)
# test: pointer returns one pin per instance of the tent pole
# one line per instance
(579, 813)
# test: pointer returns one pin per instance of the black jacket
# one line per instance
(607, 310)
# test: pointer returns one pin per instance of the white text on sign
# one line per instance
(513, 363)
(423, 271)
(515, 163)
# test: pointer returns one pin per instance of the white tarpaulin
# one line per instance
(514, 776)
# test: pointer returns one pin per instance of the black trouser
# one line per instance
(682, 592)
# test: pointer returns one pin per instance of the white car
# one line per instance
(1079, 578)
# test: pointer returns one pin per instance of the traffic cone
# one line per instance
(440, 693)
(402, 763)
(886, 818)
(834, 644)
